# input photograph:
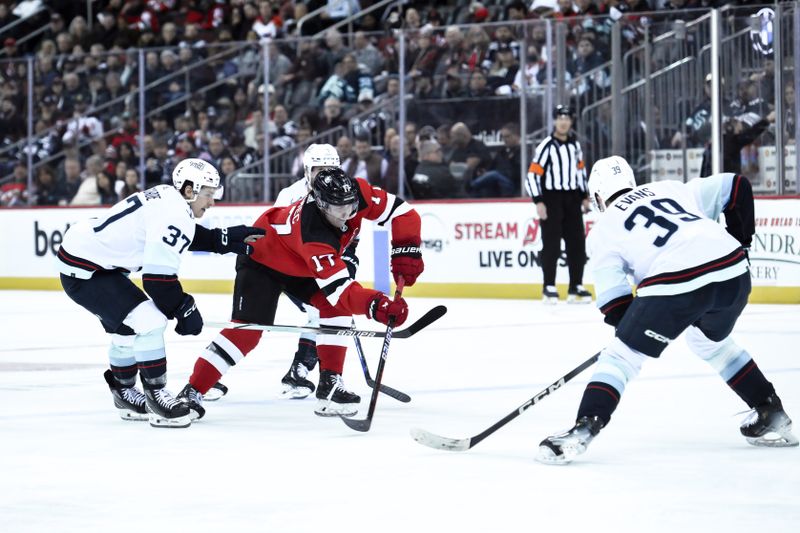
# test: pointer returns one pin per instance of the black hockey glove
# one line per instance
(235, 239)
(189, 320)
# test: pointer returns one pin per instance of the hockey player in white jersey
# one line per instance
(690, 275)
(147, 232)
(295, 382)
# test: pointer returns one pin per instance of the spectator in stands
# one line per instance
(46, 187)
(158, 166)
(79, 31)
(335, 49)
(453, 86)
(443, 138)
(105, 188)
(503, 72)
(392, 90)
(698, 123)
(424, 55)
(477, 49)
(168, 36)
(503, 178)
(470, 157)
(306, 74)
(12, 123)
(392, 180)
(366, 54)
(738, 132)
(453, 53)
(478, 87)
(129, 185)
(161, 130)
(126, 153)
(331, 115)
(344, 147)
(68, 184)
(432, 178)
(282, 131)
(15, 192)
(88, 193)
(365, 163)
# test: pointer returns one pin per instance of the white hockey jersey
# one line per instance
(665, 236)
(147, 231)
(292, 193)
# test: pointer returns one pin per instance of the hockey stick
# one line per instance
(459, 445)
(387, 390)
(364, 425)
(424, 321)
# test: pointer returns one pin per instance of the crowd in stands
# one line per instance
(205, 88)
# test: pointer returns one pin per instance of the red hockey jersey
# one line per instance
(300, 242)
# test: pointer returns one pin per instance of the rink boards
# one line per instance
(471, 249)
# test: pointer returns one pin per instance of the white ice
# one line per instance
(671, 460)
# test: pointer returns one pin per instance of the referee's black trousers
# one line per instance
(564, 220)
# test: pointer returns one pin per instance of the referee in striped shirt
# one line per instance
(557, 183)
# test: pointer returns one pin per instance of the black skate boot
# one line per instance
(295, 384)
(334, 399)
(217, 391)
(550, 294)
(564, 447)
(769, 425)
(166, 411)
(129, 401)
(193, 400)
(579, 295)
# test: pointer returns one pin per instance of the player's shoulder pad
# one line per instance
(314, 227)
(364, 192)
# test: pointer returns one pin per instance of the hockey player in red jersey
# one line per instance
(301, 255)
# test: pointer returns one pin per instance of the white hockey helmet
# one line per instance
(319, 155)
(608, 177)
(200, 174)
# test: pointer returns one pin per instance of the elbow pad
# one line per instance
(740, 212)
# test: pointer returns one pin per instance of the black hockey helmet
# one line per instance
(336, 195)
(562, 109)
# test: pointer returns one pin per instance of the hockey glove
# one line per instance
(189, 320)
(407, 262)
(382, 308)
(235, 239)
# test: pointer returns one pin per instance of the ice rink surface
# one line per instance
(671, 460)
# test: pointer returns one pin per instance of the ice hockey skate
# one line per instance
(561, 449)
(193, 400)
(217, 391)
(165, 411)
(129, 401)
(550, 294)
(333, 398)
(579, 295)
(769, 425)
(295, 384)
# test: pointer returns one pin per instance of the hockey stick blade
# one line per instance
(389, 391)
(357, 424)
(424, 321)
(432, 440)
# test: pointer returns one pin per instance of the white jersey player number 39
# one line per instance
(665, 205)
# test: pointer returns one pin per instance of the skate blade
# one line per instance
(327, 408)
(295, 393)
(213, 395)
(579, 300)
(550, 300)
(132, 416)
(180, 422)
(547, 456)
(196, 413)
(782, 439)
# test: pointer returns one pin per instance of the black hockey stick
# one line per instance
(424, 321)
(364, 425)
(459, 445)
(387, 390)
